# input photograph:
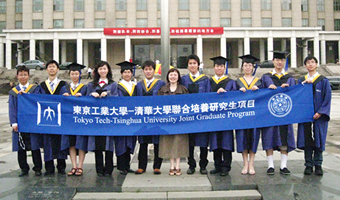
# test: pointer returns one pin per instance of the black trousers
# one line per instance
(61, 165)
(100, 168)
(22, 160)
(143, 157)
(222, 159)
(203, 157)
(123, 161)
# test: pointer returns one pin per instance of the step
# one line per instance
(215, 195)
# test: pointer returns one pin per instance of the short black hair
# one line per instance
(194, 57)
(52, 62)
(173, 70)
(310, 58)
(122, 70)
(23, 68)
(149, 63)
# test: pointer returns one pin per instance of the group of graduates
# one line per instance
(311, 136)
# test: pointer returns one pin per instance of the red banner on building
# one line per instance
(157, 31)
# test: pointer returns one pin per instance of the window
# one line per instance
(37, 5)
(225, 4)
(99, 23)
(266, 4)
(142, 22)
(2, 6)
(18, 24)
(204, 22)
(79, 23)
(320, 5)
(142, 4)
(58, 23)
(120, 5)
(286, 4)
(286, 22)
(58, 5)
(305, 22)
(266, 22)
(18, 6)
(204, 4)
(304, 5)
(183, 22)
(99, 5)
(245, 4)
(336, 5)
(37, 24)
(321, 23)
(337, 24)
(246, 22)
(120, 22)
(225, 22)
(2, 25)
(79, 5)
(183, 4)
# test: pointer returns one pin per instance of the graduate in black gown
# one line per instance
(52, 142)
(221, 142)
(125, 145)
(101, 87)
(75, 143)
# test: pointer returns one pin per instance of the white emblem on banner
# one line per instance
(49, 113)
(280, 105)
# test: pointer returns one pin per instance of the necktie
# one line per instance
(24, 88)
(52, 86)
(193, 77)
(149, 84)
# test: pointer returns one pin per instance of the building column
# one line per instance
(223, 44)
(323, 51)
(63, 51)
(305, 49)
(127, 48)
(103, 49)
(246, 42)
(41, 49)
(316, 46)
(32, 49)
(262, 54)
(293, 51)
(338, 50)
(199, 42)
(240, 52)
(19, 52)
(270, 45)
(8, 54)
(86, 53)
(2, 53)
(174, 55)
(56, 50)
(80, 51)
(283, 44)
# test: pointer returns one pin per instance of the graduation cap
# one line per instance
(279, 54)
(219, 60)
(249, 58)
(75, 66)
(126, 65)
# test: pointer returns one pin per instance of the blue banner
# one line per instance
(158, 115)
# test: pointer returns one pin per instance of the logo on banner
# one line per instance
(49, 113)
(280, 105)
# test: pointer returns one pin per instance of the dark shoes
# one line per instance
(203, 171)
(215, 171)
(38, 173)
(308, 170)
(270, 171)
(224, 173)
(23, 173)
(48, 173)
(284, 171)
(318, 170)
(191, 171)
(61, 171)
